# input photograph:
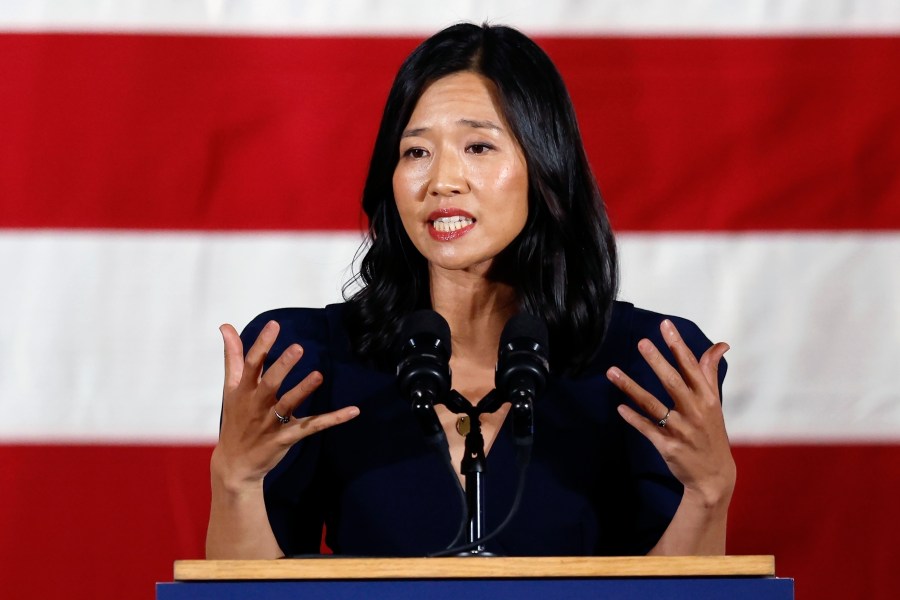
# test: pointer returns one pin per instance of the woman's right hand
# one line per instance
(252, 440)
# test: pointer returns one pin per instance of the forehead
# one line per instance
(459, 95)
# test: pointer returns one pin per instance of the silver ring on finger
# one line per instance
(662, 422)
(281, 419)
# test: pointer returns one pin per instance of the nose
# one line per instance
(448, 175)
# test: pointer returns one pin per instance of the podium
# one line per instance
(474, 578)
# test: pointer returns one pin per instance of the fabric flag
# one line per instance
(169, 166)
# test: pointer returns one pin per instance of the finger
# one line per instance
(256, 356)
(295, 396)
(644, 399)
(309, 425)
(665, 372)
(234, 356)
(709, 364)
(646, 427)
(279, 369)
(684, 356)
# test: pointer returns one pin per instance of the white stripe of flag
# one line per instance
(114, 334)
(415, 17)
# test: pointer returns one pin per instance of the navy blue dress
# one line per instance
(594, 486)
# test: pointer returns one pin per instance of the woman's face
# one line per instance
(461, 183)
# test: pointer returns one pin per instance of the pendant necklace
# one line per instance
(463, 425)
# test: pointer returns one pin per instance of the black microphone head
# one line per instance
(423, 366)
(425, 324)
(522, 362)
(523, 325)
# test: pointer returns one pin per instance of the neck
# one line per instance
(476, 309)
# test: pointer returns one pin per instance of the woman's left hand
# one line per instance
(691, 436)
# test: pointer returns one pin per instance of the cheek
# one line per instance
(405, 201)
(512, 181)
(407, 218)
(402, 194)
(407, 183)
(397, 182)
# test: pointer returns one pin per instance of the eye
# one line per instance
(415, 152)
(478, 148)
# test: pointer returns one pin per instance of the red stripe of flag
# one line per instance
(267, 133)
(79, 510)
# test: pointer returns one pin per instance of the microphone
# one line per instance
(423, 371)
(522, 369)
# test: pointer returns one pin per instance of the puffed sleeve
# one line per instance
(657, 493)
(295, 510)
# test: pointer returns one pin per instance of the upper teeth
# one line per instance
(452, 223)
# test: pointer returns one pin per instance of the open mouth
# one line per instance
(450, 224)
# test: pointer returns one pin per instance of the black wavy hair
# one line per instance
(563, 263)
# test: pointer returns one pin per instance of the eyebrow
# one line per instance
(475, 124)
(480, 124)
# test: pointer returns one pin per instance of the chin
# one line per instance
(459, 263)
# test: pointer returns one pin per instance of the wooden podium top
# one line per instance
(474, 567)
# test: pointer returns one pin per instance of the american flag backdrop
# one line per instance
(169, 166)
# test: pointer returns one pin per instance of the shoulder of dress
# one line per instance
(629, 324)
(319, 331)
(288, 319)
(306, 326)
(645, 324)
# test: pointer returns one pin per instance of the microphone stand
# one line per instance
(474, 463)
(473, 467)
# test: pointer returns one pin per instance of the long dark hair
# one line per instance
(562, 265)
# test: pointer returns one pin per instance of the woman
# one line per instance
(481, 204)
